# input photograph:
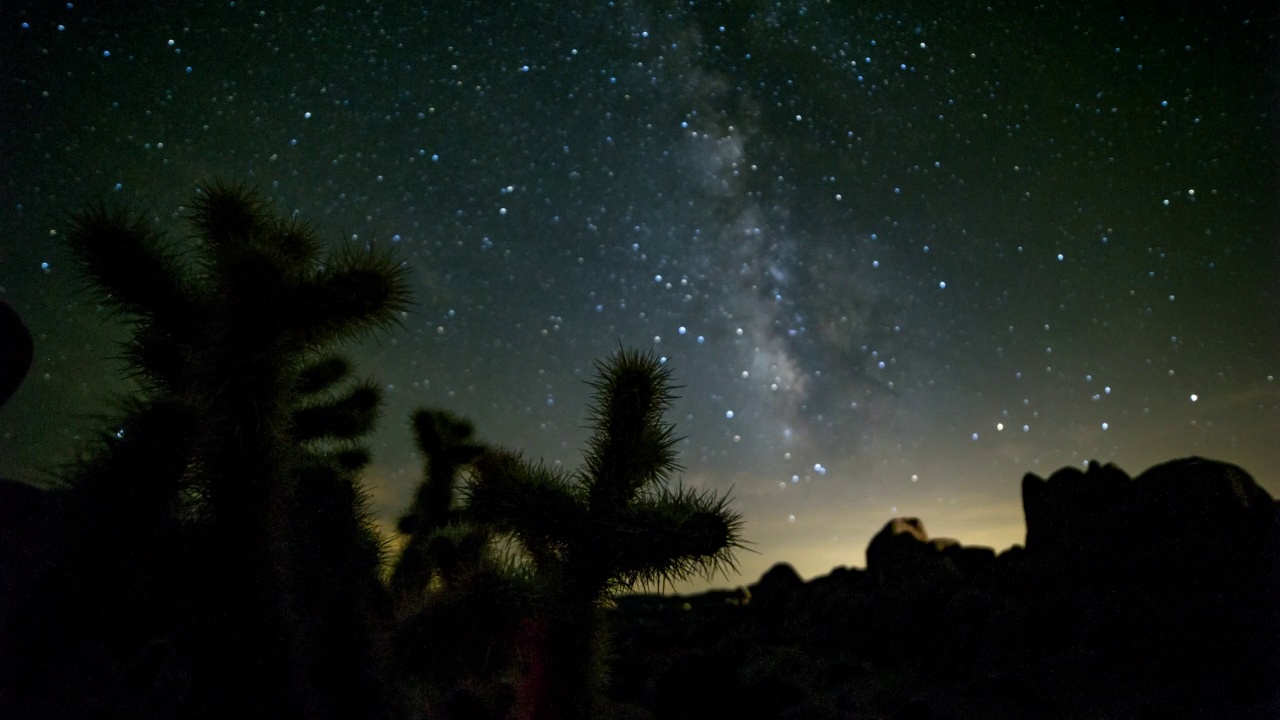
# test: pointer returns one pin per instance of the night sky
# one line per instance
(897, 255)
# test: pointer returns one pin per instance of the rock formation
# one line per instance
(1171, 575)
(1152, 596)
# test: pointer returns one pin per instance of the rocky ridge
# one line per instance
(1133, 597)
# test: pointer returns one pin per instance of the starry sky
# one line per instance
(896, 253)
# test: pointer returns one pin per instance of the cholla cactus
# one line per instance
(446, 444)
(612, 525)
(458, 601)
(245, 444)
(15, 358)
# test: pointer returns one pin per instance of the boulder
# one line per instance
(1185, 516)
(1168, 577)
(1199, 514)
(773, 592)
(902, 556)
(973, 561)
(901, 540)
(1075, 516)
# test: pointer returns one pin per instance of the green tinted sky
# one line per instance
(898, 255)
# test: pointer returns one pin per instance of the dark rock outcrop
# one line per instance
(1183, 512)
(903, 557)
(776, 586)
(1153, 596)
(1171, 577)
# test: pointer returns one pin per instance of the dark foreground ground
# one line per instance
(1147, 597)
(1156, 596)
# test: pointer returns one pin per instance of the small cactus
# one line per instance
(458, 603)
(446, 443)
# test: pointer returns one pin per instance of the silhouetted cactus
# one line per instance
(15, 351)
(458, 603)
(446, 444)
(610, 526)
(237, 472)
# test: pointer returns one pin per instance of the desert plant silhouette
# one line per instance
(216, 555)
(16, 352)
(446, 444)
(610, 526)
(220, 557)
(459, 602)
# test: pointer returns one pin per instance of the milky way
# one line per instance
(895, 257)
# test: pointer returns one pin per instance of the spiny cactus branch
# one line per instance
(128, 263)
(631, 446)
(446, 445)
(227, 215)
(322, 374)
(678, 535)
(359, 290)
(445, 438)
(537, 504)
(350, 416)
